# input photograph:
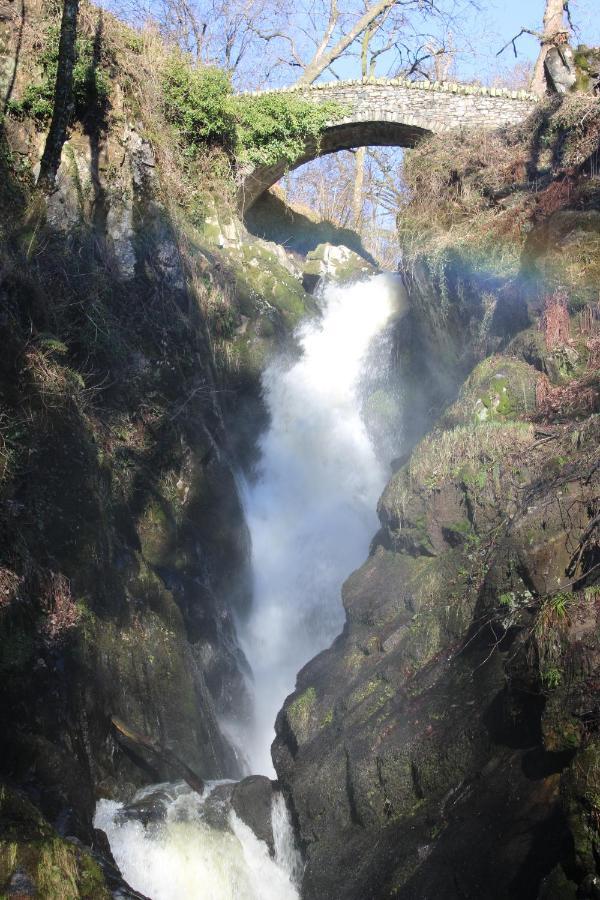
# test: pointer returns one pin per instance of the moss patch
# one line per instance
(57, 869)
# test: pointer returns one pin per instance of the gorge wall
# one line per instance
(135, 316)
(447, 744)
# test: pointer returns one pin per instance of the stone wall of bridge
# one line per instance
(394, 112)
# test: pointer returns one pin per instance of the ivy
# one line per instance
(197, 102)
(261, 130)
(275, 127)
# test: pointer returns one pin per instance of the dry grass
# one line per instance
(9, 585)
(62, 611)
(445, 454)
(555, 322)
(576, 400)
(481, 193)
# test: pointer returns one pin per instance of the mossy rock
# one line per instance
(587, 67)
(266, 291)
(580, 790)
(35, 860)
(501, 388)
(333, 263)
(300, 714)
(157, 531)
(452, 487)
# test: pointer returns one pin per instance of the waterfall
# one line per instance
(311, 511)
(183, 856)
(311, 514)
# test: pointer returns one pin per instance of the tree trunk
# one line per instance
(361, 153)
(555, 34)
(357, 195)
(63, 96)
(322, 60)
(164, 754)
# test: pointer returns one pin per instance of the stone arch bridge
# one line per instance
(392, 112)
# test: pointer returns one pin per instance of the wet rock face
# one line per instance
(450, 713)
(118, 598)
(124, 554)
(252, 801)
(147, 810)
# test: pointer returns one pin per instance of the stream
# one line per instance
(311, 512)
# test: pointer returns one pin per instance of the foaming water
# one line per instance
(184, 857)
(311, 511)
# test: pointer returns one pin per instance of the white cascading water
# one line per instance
(184, 857)
(311, 514)
(312, 510)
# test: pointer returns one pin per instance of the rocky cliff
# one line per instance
(446, 745)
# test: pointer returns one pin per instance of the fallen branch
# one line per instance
(583, 543)
(163, 753)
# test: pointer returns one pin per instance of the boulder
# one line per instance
(334, 264)
(560, 69)
(251, 801)
(148, 810)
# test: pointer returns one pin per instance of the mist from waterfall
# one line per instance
(312, 509)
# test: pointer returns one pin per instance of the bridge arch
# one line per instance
(393, 113)
(370, 130)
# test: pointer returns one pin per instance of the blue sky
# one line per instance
(492, 26)
(502, 19)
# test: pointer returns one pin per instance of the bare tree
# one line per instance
(258, 41)
(63, 96)
(326, 55)
(367, 66)
(555, 66)
(554, 40)
(442, 57)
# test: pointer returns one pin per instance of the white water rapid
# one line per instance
(186, 858)
(312, 510)
(311, 514)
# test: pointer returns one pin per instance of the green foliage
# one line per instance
(560, 602)
(304, 703)
(327, 718)
(277, 127)
(90, 83)
(551, 678)
(52, 344)
(262, 130)
(197, 102)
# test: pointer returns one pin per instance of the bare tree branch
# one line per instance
(321, 61)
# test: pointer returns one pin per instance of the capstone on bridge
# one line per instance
(392, 113)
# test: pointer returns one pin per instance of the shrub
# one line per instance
(482, 193)
(197, 103)
(261, 130)
(276, 127)
(62, 613)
